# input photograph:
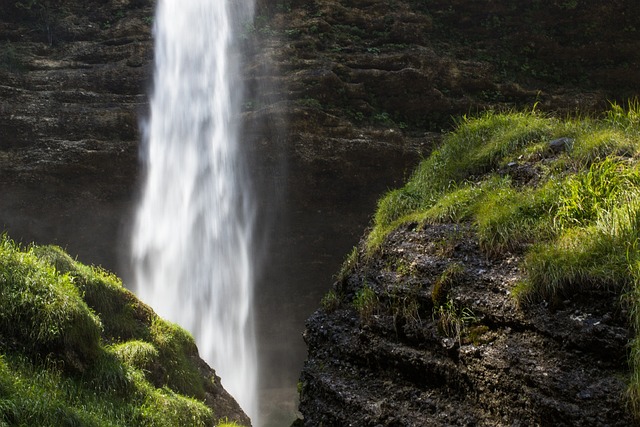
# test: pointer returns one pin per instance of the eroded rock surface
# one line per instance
(343, 98)
(461, 355)
(73, 77)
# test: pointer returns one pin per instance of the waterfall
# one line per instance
(191, 243)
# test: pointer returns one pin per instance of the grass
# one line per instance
(331, 301)
(348, 265)
(440, 292)
(78, 349)
(42, 311)
(477, 147)
(452, 320)
(366, 303)
(577, 224)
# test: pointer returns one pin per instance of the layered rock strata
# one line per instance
(473, 358)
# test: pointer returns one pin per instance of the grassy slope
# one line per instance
(78, 349)
(574, 212)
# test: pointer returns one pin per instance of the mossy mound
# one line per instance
(77, 348)
(563, 194)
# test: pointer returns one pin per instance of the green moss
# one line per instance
(478, 335)
(60, 366)
(577, 223)
(177, 352)
(42, 311)
(442, 286)
(124, 316)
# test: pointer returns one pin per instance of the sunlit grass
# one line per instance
(577, 224)
(78, 349)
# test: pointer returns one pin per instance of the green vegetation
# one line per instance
(439, 294)
(349, 264)
(404, 306)
(224, 423)
(452, 320)
(366, 303)
(571, 208)
(78, 349)
(331, 301)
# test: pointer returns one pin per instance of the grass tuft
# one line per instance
(440, 292)
(42, 311)
(577, 222)
(78, 349)
(124, 316)
(137, 354)
(348, 265)
(366, 303)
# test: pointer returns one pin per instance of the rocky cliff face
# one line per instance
(407, 67)
(344, 96)
(363, 89)
(395, 360)
(73, 81)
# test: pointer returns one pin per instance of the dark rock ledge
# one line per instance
(478, 360)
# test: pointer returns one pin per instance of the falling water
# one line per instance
(192, 235)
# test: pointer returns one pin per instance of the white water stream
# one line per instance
(192, 237)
